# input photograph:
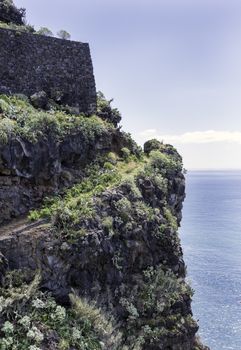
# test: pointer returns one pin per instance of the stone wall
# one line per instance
(63, 69)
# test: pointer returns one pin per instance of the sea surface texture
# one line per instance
(211, 240)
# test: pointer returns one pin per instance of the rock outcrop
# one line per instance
(29, 171)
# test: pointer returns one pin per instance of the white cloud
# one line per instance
(195, 137)
(148, 132)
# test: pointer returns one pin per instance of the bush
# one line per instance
(108, 166)
(171, 219)
(9, 13)
(111, 157)
(7, 128)
(29, 319)
(19, 28)
(160, 182)
(152, 145)
(150, 312)
(35, 124)
(125, 153)
(107, 223)
(62, 34)
(144, 212)
(124, 209)
(128, 185)
(164, 162)
(34, 215)
(105, 111)
(43, 124)
(44, 31)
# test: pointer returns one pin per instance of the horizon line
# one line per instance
(213, 169)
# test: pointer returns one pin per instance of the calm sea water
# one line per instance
(211, 240)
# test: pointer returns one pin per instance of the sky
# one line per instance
(173, 68)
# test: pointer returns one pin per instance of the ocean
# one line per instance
(211, 241)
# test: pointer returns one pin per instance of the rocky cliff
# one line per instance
(42, 152)
(97, 264)
(90, 256)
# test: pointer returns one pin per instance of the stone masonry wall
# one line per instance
(30, 63)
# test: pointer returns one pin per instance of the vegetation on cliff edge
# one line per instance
(33, 320)
(19, 118)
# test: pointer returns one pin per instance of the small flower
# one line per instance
(33, 347)
(8, 327)
(76, 333)
(59, 314)
(25, 322)
(5, 343)
(31, 334)
(38, 304)
(35, 334)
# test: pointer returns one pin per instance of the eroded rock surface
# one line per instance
(30, 171)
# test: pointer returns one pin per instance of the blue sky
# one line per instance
(172, 66)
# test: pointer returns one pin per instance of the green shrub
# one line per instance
(160, 182)
(171, 219)
(44, 31)
(18, 28)
(30, 317)
(7, 129)
(128, 183)
(108, 166)
(150, 315)
(105, 110)
(124, 209)
(164, 162)
(62, 34)
(9, 13)
(34, 215)
(107, 223)
(152, 145)
(111, 158)
(34, 124)
(144, 211)
(125, 153)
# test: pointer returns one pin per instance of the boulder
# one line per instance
(39, 100)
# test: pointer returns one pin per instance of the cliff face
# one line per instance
(111, 238)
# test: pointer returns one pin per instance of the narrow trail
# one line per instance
(18, 226)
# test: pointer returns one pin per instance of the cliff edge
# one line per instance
(97, 263)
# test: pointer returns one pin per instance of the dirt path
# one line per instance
(18, 226)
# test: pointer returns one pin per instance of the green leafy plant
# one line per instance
(45, 31)
(19, 118)
(125, 153)
(63, 34)
(152, 145)
(164, 162)
(29, 318)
